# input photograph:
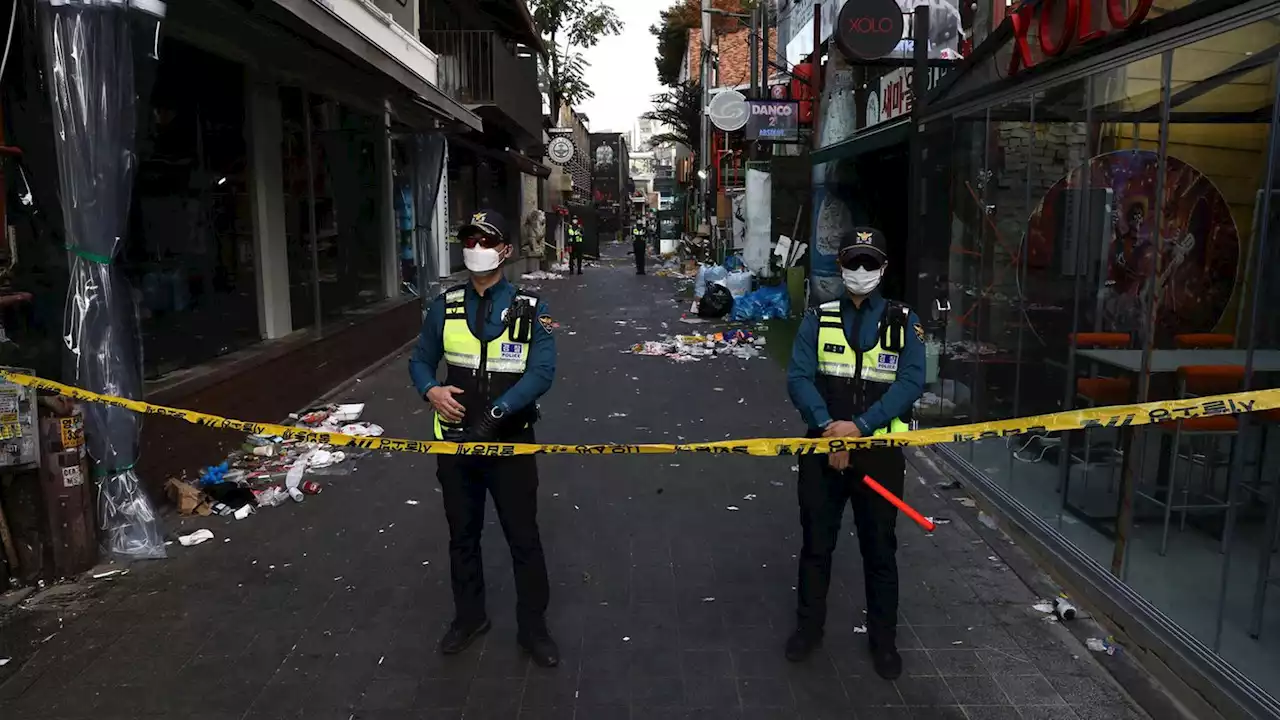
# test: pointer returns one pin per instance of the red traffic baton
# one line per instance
(897, 502)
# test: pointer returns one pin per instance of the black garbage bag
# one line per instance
(716, 303)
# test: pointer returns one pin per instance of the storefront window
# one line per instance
(349, 229)
(302, 277)
(190, 250)
(1104, 232)
(340, 184)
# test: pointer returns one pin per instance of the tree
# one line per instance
(673, 32)
(680, 109)
(565, 25)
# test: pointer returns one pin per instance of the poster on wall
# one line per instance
(894, 96)
(739, 222)
(1190, 252)
(758, 215)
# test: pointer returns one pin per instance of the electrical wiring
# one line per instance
(8, 40)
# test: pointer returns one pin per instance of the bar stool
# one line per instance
(1094, 391)
(1195, 381)
(1204, 341)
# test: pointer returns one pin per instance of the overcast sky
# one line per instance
(622, 72)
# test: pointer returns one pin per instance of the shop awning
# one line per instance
(864, 142)
(303, 43)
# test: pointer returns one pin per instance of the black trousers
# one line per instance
(638, 247)
(513, 483)
(823, 493)
(575, 258)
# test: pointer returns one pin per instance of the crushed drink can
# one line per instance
(311, 487)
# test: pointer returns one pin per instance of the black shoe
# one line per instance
(541, 648)
(887, 661)
(801, 645)
(460, 637)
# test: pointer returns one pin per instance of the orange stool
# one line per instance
(1204, 341)
(1195, 381)
(1093, 391)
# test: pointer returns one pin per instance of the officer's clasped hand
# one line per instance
(841, 429)
(441, 399)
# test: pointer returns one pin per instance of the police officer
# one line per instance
(496, 342)
(857, 368)
(575, 246)
(639, 245)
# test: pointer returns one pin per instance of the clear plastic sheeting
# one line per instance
(89, 64)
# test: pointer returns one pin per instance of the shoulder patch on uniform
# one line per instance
(919, 332)
(547, 323)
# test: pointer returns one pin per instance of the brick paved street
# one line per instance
(666, 603)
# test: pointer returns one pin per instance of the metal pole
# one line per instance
(916, 249)
(1134, 450)
(753, 36)
(815, 75)
(704, 154)
(311, 207)
(764, 48)
(1273, 513)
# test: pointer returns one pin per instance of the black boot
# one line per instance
(885, 658)
(802, 643)
(461, 636)
(541, 648)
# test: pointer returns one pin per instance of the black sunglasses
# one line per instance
(484, 241)
(861, 262)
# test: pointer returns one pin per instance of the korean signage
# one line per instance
(1059, 24)
(777, 120)
(895, 97)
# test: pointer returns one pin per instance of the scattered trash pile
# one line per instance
(269, 469)
(673, 267)
(741, 344)
(542, 275)
(725, 290)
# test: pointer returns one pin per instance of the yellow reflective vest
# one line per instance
(851, 381)
(483, 371)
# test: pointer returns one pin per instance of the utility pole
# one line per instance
(704, 152)
(754, 38)
(764, 48)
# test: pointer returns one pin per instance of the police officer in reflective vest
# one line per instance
(575, 246)
(496, 342)
(639, 244)
(857, 368)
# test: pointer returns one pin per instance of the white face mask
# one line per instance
(481, 260)
(861, 282)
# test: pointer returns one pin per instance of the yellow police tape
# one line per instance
(1112, 417)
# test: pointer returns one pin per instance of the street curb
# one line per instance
(1017, 549)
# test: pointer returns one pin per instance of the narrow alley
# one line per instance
(671, 577)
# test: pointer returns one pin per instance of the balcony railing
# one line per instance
(481, 68)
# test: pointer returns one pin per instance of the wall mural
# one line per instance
(1120, 243)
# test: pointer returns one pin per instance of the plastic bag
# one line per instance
(734, 263)
(739, 283)
(707, 276)
(767, 303)
(718, 302)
